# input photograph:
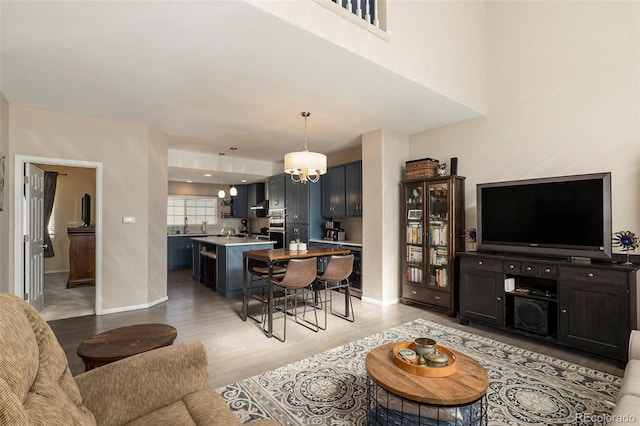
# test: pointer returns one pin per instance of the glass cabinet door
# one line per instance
(438, 246)
(415, 237)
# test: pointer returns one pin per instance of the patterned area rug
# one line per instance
(525, 387)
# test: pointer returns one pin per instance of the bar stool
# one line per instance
(259, 283)
(335, 277)
(208, 262)
(297, 280)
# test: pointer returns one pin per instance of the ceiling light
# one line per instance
(221, 193)
(304, 166)
(207, 174)
(233, 191)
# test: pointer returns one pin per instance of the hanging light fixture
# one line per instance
(305, 166)
(221, 193)
(233, 191)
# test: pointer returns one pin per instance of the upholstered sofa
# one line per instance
(627, 410)
(167, 386)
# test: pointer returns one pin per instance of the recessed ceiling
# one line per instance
(210, 74)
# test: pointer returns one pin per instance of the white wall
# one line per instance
(439, 44)
(564, 98)
(134, 183)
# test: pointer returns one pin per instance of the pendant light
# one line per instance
(305, 166)
(221, 193)
(233, 191)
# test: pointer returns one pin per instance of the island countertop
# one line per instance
(232, 241)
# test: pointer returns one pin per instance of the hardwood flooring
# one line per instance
(238, 349)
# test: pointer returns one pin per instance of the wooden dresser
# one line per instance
(82, 256)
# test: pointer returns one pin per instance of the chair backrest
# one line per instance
(300, 273)
(252, 264)
(338, 269)
(36, 385)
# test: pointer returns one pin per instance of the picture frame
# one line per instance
(2, 171)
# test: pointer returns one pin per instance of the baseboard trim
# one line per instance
(380, 302)
(56, 272)
(133, 307)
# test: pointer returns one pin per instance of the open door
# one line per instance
(34, 237)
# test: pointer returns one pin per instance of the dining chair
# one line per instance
(334, 278)
(297, 281)
(259, 284)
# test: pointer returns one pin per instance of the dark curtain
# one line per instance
(50, 182)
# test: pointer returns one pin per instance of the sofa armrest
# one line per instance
(634, 345)
(122, 391)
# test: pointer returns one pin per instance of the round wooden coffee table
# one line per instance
(123, 342)
(398, 395)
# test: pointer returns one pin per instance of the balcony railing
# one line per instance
(364, 9)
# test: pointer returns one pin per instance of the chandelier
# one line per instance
(305, 166)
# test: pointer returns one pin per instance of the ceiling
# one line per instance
(211, 75)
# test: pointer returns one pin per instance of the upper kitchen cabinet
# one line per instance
(342, 191)
(297, 201)
(277, 192)
(333, 192)
(238, 205)
(353, 175)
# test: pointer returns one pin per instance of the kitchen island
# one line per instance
(229, 261)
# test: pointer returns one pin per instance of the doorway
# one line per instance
(56, 271)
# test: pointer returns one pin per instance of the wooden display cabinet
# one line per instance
(82, 256)
(433, 225)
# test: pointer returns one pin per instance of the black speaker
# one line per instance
(453, 166)
(531, 315)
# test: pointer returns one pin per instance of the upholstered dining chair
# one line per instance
(297, 281)
(259, 283)
(334, 278)
(166, 386)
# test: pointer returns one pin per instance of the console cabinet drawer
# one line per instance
(493, 265)
(593, 275)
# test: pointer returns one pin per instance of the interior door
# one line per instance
(34, 237)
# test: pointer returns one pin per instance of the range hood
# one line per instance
(261, 205)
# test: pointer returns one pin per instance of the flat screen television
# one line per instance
(566, 216)
(86, 210)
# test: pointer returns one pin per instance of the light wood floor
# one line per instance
(238, 349)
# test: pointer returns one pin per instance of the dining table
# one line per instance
(272, 257)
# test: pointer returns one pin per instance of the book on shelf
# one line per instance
(414, 254)
(438, 235)
(439, 256)
(414, 274)
(438, 278)
(414, 233)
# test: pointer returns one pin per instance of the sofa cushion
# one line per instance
(627, 411)
(36, 385)
(204, 407)
(631, 380)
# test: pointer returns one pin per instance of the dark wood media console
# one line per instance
(587, 306)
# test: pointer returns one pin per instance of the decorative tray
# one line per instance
(412, 366)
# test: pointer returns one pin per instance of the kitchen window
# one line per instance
(195, 209)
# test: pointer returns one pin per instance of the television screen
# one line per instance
(560, 216)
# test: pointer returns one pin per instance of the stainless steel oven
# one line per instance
(277, 227)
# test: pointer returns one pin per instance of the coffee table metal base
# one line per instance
(387, 409)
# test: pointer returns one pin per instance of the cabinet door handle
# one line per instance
(437, 297)
(414, 292)
(499, 299)
(547, 270)
(528, 268)
(480, 262)
(564, 311)
(511, 266)
(590, 274)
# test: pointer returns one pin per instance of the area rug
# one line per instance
(525, 387)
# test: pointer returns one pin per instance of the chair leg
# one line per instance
(348, 315)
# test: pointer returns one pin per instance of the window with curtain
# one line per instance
(195, 209)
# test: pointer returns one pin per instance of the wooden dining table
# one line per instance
(271, 257)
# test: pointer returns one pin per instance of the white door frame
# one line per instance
(18, 239)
